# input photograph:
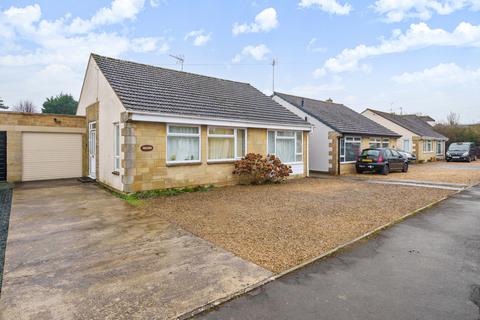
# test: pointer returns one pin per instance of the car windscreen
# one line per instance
(459, 147)
(369, 153)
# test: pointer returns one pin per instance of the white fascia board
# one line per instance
(149, 117)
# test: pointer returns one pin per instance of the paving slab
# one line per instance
(77, 252)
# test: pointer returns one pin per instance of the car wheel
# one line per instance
(405, 167)
(469, 159)
(386, 170)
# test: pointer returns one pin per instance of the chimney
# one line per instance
(329, 100)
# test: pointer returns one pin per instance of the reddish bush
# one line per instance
(261, 169)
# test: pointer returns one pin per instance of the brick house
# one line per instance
(154, 128)
(339, 133)
(417, 133)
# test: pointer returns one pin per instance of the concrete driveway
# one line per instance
(427, 267)
(77, 252)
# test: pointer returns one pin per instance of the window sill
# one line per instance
(116, 173)
(348, 162)
(177, 164)
(292, 163)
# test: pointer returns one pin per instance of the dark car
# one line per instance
(461, 151)
(408, 155)
(381, 160)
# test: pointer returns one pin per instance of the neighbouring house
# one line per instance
(417, 133)
(36, 146)
(339, 133)
(155, 128)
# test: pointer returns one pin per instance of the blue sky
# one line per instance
(418, 55)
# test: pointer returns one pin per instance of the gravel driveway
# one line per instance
(5, 203)
(280, 226)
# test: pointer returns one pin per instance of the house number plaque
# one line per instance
(146, 147)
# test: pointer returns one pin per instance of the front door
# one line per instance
(92, 150)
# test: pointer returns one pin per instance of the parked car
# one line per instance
(407, 155)
(381, 160)
(461, 151)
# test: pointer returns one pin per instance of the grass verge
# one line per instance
(136, 199)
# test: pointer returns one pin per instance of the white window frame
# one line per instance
(438, 143)
(387, 142)
(409, 145)
(354, 139)
(189, 135)
(282, 137)
(235, 141)
(375, 141)
(426, 144)
(116, 147)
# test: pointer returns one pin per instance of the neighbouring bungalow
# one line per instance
(417, 134)
(154, 128)
(339, 133)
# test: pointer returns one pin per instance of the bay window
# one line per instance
(385, 143)
(183, 144)
(286, 145)
(350, 148)
(379, 142)
(226, 143)
(427, 146)
(116, 146)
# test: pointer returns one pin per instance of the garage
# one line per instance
(51, 155)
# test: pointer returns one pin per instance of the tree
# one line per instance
(25, 106)
(61, 104)
(453, 118)
(2, 105)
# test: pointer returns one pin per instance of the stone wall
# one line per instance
(15, 123)
(148, 170)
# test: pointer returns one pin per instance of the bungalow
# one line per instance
(417, 133)
(339, 133)
(154, 128)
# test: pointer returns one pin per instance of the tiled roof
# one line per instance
(338, 117)
(412, 123)
(147, 88)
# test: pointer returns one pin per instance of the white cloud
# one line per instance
(265, 21)
(311, 46)
(330, 6)
(444, 73)
(200, 38)
(32, 48)
(119, 11)
(399, 10)
(416, 37)
(256, 52)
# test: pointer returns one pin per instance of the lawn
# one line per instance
(280, 226)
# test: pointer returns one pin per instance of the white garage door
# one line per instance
(51, 155)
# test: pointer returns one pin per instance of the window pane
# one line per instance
(183, 148)
(299, 142)
(286, 150)
(117, 163)
(271, 142)
(406, 145)
(299, 158)
(285, 134)
(342, 147)
(240, 143)
(386, 143)
(184, 130)
(222, 131)
(352, 151)
(220, 148)
(117, 140)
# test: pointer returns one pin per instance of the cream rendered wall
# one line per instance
(318, 138)
(96, 88)
(405, 134)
